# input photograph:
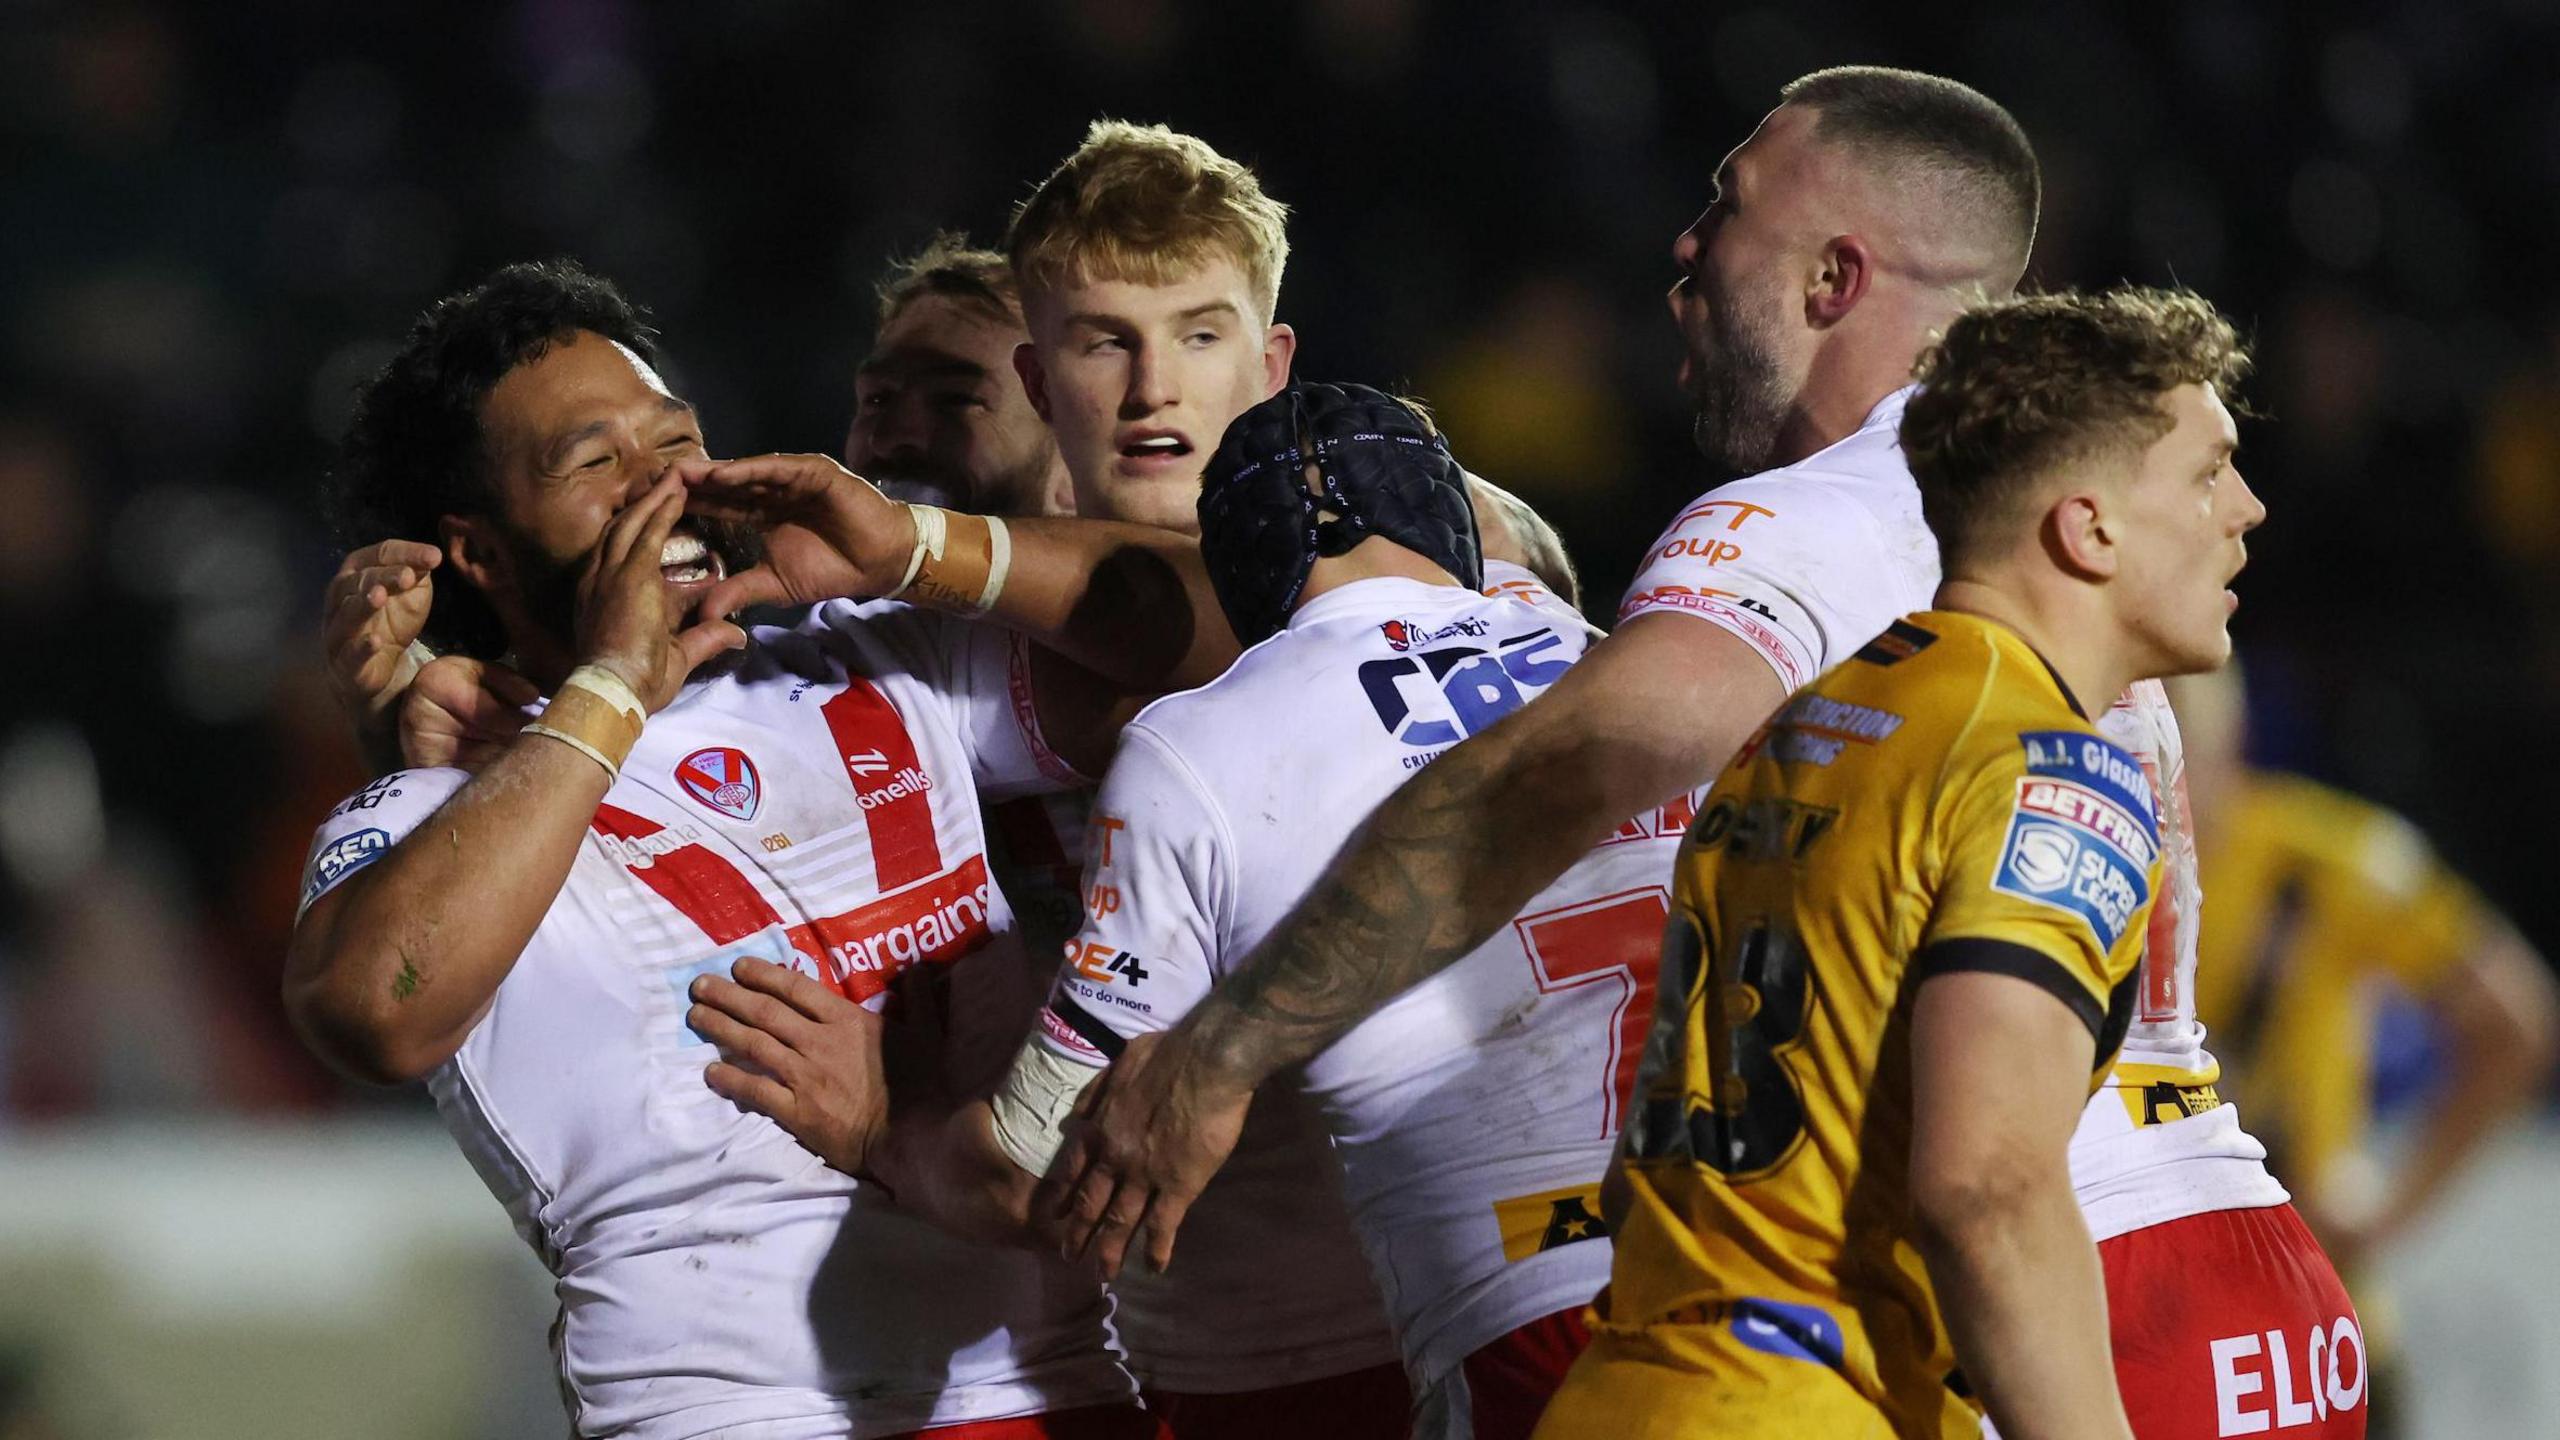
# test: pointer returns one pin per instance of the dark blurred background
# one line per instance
(216, 218)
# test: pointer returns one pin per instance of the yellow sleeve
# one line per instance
(2050, 857)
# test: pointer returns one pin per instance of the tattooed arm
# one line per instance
(1650, 712)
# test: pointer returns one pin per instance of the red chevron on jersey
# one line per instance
(706, 889)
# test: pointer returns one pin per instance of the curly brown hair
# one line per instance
(2019, 388)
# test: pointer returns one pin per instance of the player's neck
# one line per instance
(1846, 384)
(2074, 635)
(1374, 558)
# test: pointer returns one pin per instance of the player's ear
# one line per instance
(473, 549)
(2080, 537)
(1279, 352)
(1840, 281)
(1035, 381)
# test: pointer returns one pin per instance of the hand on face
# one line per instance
(625, 621)
(827, 531)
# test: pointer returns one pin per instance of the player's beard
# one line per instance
(550, 587)
(1739, 390)
(1015, 491)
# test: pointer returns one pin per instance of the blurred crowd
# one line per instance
(220, 218)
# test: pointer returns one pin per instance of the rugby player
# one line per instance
(521, 937)
(939, 416)
(1863, 213)
(1910, 917)
(1473, 1118)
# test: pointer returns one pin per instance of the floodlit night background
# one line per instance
(216, 219)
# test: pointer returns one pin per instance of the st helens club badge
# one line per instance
(722, 777)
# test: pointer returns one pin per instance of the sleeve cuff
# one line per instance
(2020, 962)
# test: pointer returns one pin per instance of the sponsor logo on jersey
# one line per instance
(2072, 848)
(1798, 1332)
(374, 793)
(2089, 760)
(639, 852)
(1767, 828)
(1404, 634)
(2263, 1384)
(343, 857)
(1550, 1220)
(1814, 729)
(722, 777)
(1437, 697)
(908, 781)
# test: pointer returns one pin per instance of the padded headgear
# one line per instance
(1384, 473)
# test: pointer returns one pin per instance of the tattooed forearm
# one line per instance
(1431, 876)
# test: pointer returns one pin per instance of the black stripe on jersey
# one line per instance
(1900, 641)
(2119, 1017)
(1082, 1021)
(2007, 957)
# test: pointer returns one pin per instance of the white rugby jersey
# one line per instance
(1809, 561)
(1473, 1116)
(2155, 1144)
(819, 808)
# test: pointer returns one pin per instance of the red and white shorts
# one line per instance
(1499, 1391)
(1094, 1422)
(2233, 1322)
(1371, 1404)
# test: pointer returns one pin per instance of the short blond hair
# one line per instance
(1148, 204)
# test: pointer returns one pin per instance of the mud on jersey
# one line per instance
(819, 807)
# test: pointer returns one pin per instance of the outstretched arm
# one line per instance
(1651, 712)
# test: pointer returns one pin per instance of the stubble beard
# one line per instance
(1740, 393)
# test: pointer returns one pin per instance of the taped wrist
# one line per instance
(1032, 1104)
(960, 562)
(596, 715)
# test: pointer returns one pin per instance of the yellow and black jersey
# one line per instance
(2316, 896)
(1938, 803)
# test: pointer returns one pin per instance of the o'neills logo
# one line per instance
(908, 781)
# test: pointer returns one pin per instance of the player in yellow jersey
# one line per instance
(2322, 902)
(1907, 918)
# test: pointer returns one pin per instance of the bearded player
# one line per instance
(521, 937)
(1910, 918)
(1473, 1118)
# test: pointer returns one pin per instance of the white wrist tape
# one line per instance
(933, 535)
(1031, 1106)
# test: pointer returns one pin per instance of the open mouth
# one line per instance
(1155, 447)
(686, 560)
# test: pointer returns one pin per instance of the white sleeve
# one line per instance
(368, 823)
(1157, 887)
(1788, 566)
(983, 672)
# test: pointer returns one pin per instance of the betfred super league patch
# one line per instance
(2083, 833)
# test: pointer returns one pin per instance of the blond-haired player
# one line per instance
(1914, 907)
